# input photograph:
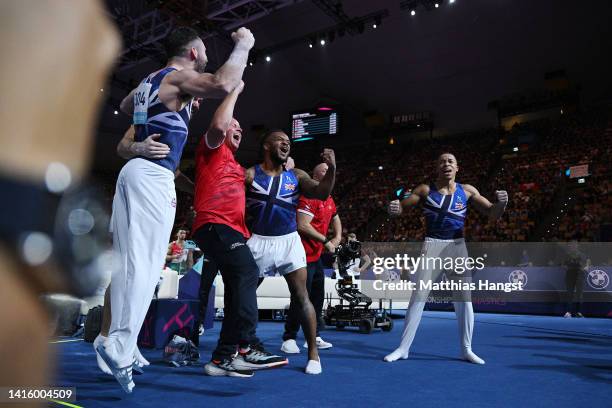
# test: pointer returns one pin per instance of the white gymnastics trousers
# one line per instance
(433, 248)
(144, 207)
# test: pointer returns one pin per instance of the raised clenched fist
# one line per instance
(395, 208)
(244, 37)
(502, 196)
(329, 158)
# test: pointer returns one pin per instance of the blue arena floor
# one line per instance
(530, 361)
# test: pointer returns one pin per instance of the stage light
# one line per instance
(451, 1)
(515, 149)
(412, 12)
(374, 25)
(116, 112)
(322, 43)
(436, 5)
(380, 167)
(309, 45)
(268, 59)
(251, 63)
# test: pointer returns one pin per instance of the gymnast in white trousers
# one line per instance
(144, 207)
(145, 200)
(444, 204)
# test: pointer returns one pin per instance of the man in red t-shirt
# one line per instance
(313, 217)
(221, 233)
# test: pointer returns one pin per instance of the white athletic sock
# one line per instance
(313, 367)
(469, 355)
(101, 364)
(398, 354)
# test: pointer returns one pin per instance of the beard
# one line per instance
(276, 159)
(200, 66)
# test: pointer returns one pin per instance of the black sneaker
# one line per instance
(225, 368)
(258, 359)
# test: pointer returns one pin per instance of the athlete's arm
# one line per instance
(149, 148)
(249, 175)
(396, 207)
(493, 211)
(306, 230)
(219, 84)
(222, 119)
(183, 183)
(319, 189)
(127, 104)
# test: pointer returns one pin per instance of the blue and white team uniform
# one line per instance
(444, 220)
(144, 207)
(272, 207)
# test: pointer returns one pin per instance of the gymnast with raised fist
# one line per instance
(445, 203)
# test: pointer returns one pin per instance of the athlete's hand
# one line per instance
(395, 208)
(330, 247)
(244, 37)
(151, 149)
(329, 158)
(289, 164)
(335, 241)
(502, 196)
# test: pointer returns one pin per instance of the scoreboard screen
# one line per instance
(307, 125)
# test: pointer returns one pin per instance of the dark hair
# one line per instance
(176, 42)
(264, 138)
(443, 153)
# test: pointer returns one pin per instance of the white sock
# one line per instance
(141, 360)
(469, 355)
(313, 367)
(398, 354)
(99, 341)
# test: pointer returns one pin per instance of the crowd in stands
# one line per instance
(534, 176)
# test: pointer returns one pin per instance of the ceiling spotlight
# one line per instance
(116, 112)
(451, 1)
(268, 59)
(309, 45)
(436, 5)
(250, 63)
(374, 25)
(323, 42)
(412, 12)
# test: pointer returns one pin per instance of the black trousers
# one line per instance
(226, 249)
(315, 284)
(574, 283)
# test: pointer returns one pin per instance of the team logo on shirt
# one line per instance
(459, 204)
(290, 186)
(173, 202)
